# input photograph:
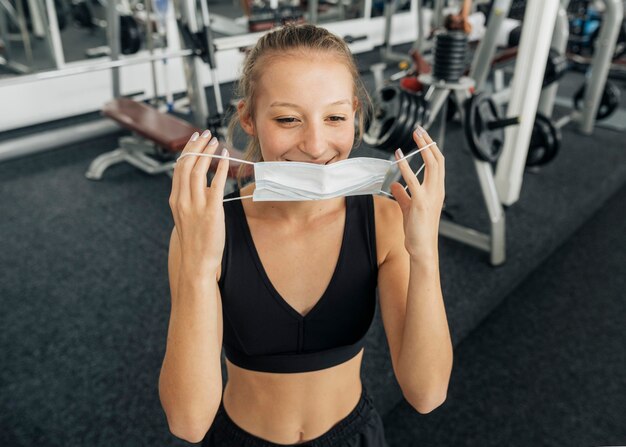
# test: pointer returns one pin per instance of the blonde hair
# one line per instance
(278, 43)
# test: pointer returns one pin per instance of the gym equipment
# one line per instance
(585, 24)
(608, 103)
(266, 17)
(82, 14)
(450, 55)
(161, 10)
(11, 17)
(130, 34)
(545, 141)
(484, 127)
(535, 42)
(166, 134)
(396, 113)
(159, 137)
(556, 66)
(546, 137)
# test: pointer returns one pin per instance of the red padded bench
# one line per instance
(164, 130)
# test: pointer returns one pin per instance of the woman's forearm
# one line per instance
(190, 384)
(425, 359)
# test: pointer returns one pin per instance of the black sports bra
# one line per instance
(263, 332)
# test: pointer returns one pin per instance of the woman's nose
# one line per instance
(313, 141)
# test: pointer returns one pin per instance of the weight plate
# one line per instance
(608, 103)
(388, 107)
(130, 35)
(486, 144)
(396, 114)
(545, 142)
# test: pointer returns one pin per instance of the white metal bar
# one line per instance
(55, 35)
(559, 43)
(601, 62)
(88, 68)
(51, 139)
(539, 21)
(481, 64)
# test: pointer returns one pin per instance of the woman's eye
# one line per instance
(286, 120)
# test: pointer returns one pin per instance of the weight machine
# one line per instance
(526, 96)
(490, 135)
(158, 137)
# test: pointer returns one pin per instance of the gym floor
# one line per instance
(539, 341)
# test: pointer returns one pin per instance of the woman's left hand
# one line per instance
(421, 209)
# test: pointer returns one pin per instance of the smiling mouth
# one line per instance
(314, 162)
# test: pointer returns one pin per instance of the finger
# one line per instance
(198, 180)
(401, 196)
(180, 191)
(431, 172)
(219, 179)
(434, 149)
(407, 174)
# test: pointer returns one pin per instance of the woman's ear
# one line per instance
(245, 119)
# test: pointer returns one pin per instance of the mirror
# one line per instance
(39, 35)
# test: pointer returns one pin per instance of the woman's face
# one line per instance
(305, 110)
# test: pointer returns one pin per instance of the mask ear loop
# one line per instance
(410, 154)
(238, 160)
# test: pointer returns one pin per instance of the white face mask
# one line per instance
(295, 181)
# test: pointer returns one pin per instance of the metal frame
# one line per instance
(134, 150)
(494, 242)
(481, 64)
(539, 21)
(7, 12)
(525, 95)
(601, 62)
(139, 151)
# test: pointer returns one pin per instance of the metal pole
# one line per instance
(419, 42)
(150, 45)
(313, 5)
(87, 68)
(53, 34)
(437, 20)
(481, 64)
(206, 24)
(113, 34)
(559, 43)
(601, 62)
(530, 66)
(52, 139)
(186, 14)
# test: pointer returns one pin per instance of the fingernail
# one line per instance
(206, 133)
(213, 141)
(195, 136)
(399, 153)
(224, 152)
(419, 130)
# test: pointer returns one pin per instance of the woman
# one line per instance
(289, 286)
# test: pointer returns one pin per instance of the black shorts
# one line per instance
(363, 427)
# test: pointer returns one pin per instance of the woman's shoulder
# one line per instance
(386, 209)
(389, 226)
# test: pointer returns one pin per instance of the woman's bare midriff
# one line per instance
(292, 408)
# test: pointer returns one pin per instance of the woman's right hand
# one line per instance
(198, 210)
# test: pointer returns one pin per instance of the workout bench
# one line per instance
(157, 140)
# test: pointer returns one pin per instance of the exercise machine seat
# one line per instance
(167, 131)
